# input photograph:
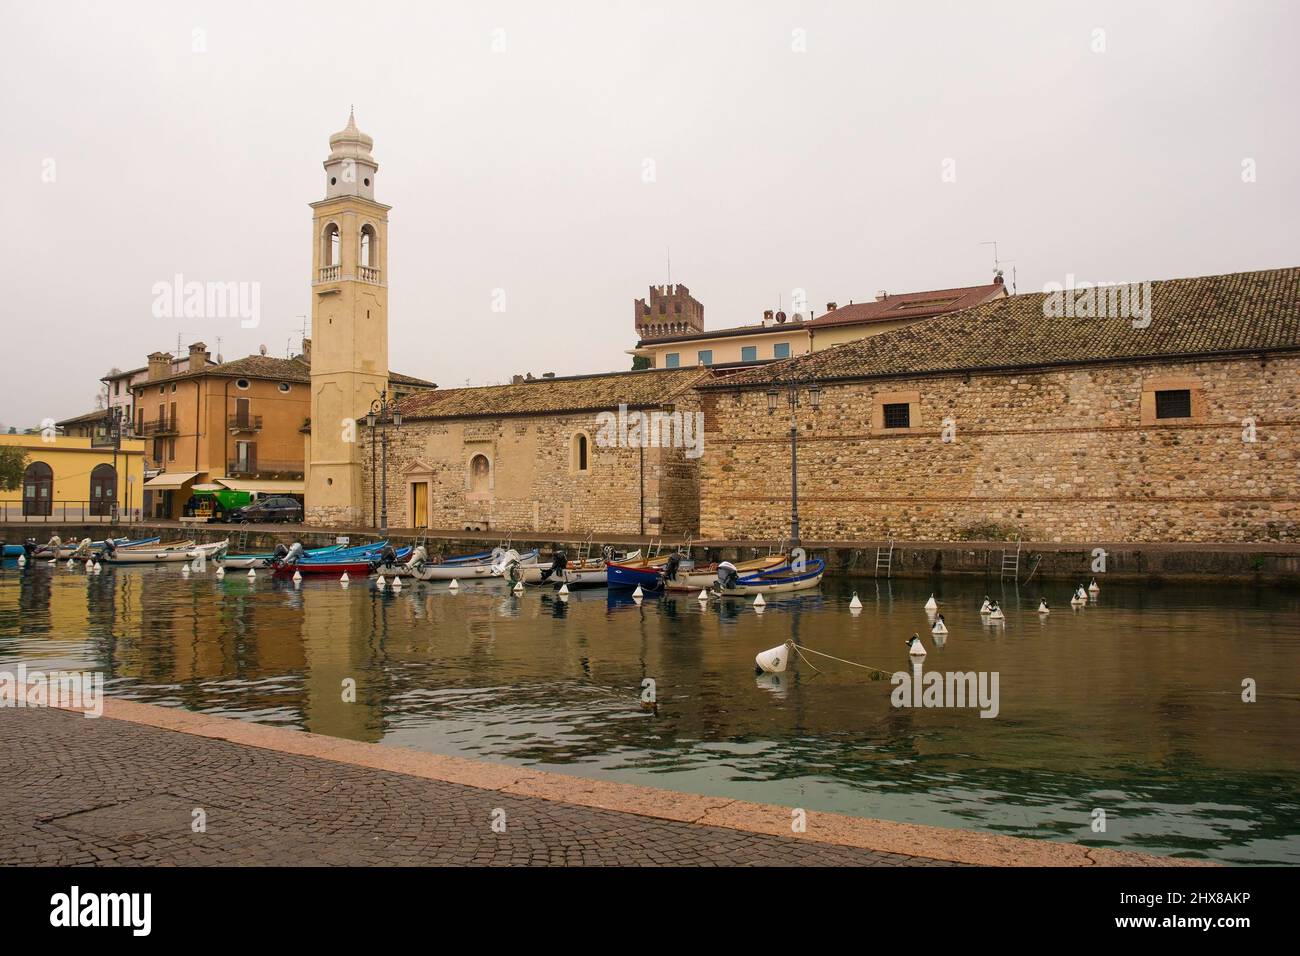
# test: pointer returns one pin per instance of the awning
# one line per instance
(170, 480)
(265, 487)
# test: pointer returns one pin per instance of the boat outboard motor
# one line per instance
(29, 547)
(418, 557)
(110, 547)
(557, 566)
(387, 557)
(294, 555)
(727, 575)
(279, 554)
(669, 570)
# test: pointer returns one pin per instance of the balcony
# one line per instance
(260, 466)
(244, 423)
(329, 274)
(369, 275)
(160, 427)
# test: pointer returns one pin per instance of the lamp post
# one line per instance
(792, 387)
(383, 413)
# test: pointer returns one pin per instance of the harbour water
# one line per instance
(1132, 706)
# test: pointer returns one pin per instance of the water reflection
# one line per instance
(1132, 703)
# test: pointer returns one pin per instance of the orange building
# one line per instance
(236, 425)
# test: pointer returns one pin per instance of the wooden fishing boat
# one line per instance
(776, 581)
(590, 573)
(184, 551)
(461, 571)
(643, 573)
(245, 561)
(352, 567)
(704, 575)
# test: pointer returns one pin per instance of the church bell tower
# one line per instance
(349, 326)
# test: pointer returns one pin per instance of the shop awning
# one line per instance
(265, 487)
(171, 480)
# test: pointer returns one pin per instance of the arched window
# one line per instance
(103, 489)
(331, 248)
(580, 457)
(38, 489)
(368, 257)
(480, 475)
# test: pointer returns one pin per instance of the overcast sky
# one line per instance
(789, 146)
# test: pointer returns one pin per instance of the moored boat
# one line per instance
(644, 573)
(776, 581)
(704, 575)
(495, 567)
(183, 551)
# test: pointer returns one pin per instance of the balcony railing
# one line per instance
(161, 426)
(245, 423)
(329, 273)
(368, 274)
(262, 466)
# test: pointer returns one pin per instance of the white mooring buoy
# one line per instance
(98, 567)
(638, 592)
(703, 595)
(932, 604)
(345, 579)
(856, 603)
(297, 575)
(773, 660)
(939, 627)
(1042, 606)
(69, 564)
(397, 582)
(381, 583)
(454, 586)
(185, 569)
(519, 587)
(221, 571)
(252, 572)
(914, 646)
(22, 560)
(564, 589)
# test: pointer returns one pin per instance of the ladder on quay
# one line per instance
(885, 558)
(1011, 563)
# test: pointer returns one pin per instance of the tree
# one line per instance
(640, 361)
(13, 463)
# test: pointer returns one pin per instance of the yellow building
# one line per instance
(74, 479)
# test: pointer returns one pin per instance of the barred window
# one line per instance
(1174, 403)
(898, 415)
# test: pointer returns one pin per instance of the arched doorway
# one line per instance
(38, 490)
(480, 473)
(103, 490)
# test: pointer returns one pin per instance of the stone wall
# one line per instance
(531, 481)
(1070, 455)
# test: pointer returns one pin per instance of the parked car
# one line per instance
(267, 510)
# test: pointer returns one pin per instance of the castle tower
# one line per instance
(671, 310)
(349, 325)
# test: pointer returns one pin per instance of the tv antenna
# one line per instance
(998, 263)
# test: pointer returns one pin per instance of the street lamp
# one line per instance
(113, 429)
(383, 413)
(791, 388)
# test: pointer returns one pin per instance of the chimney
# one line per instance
(516, 380)
(997, 279)
(306, 350)
(548, 375)
(830, 306)
(198, 356)
(882, 295)
(767, 316)
(160, 365)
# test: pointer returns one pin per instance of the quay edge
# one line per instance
(1256, 562)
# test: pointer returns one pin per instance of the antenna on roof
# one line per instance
(670, 267)
(999, 263)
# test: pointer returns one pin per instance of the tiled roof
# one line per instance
(544, 396)
(1242, 312)
(909, 305)
(95, 417)
(725, 333)
(296, 369)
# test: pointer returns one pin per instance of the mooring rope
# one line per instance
(876, 672)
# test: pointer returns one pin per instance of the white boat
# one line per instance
(481, 570)
(776, 581)
(186, 551)
(703, 575)
(582, 574)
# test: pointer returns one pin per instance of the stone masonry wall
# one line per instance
(533, 483)
(1061, 455)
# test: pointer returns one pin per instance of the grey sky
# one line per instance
(523, 169)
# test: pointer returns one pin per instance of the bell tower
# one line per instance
(349, 326)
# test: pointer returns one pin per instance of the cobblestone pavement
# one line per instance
(77, 791)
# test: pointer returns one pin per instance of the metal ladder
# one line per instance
(885, 558)
(243, 540)
(1011, 563)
